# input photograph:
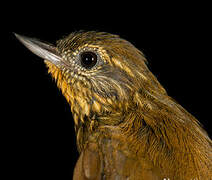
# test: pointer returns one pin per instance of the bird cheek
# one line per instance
(102, 104)
(96, 107)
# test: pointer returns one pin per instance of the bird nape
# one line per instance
(127, 127)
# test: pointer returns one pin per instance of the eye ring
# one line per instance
(88, 59)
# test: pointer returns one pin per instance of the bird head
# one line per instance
(104, 78)
(99, 73)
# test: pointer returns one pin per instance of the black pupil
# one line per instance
(88, 59)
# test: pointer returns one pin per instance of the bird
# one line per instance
(127, 126)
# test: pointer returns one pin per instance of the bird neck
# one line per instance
(168, 136)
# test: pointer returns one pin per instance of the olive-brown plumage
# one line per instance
(127, 127)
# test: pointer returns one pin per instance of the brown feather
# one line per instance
(120, 108)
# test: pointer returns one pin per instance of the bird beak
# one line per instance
(44, 50)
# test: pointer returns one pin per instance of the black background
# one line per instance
(38, 129)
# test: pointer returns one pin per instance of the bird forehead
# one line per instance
(78, 39)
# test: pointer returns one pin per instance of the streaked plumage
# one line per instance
(127, 127)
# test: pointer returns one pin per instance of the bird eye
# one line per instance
(88, 59)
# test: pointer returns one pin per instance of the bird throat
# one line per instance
(85, 107)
